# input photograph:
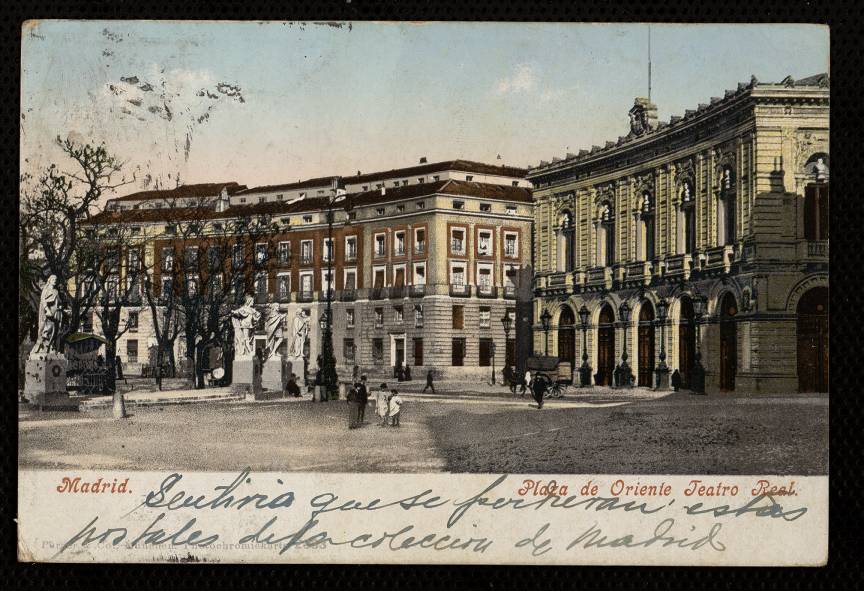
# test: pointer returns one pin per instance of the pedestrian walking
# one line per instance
(525, 384)
(352, 407)
(362, 400)
(395, 408)
(508, 378)
(429, 383)
(539, 389)
(676, 380)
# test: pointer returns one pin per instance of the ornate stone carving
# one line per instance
(243, 320)
(809, 142)
(50, 317)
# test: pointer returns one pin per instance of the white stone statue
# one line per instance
(243, 319)
(299, 332)
(273, 329)
(50, 317)
(820, 169)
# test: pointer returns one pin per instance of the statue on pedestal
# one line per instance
(243, 319)
(299, 332)
(50, 317)
(273, 330)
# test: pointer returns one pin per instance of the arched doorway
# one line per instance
(605, 346)
(812, 331)
(567, 337)
(646, 345)
(686, 341)
(728, 342)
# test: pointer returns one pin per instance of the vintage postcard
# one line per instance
(468, 293)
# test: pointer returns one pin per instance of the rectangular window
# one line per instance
(421, 180)
(307, 219)
(511, 276)
(399, 244)
(485, 207)
(349, 317)
(469, 177)
(485, 357)
(398, 314)
(379, 317)
(350, 279)
(350, 248)
(352, 215)
(132, 351)
(167, 259)
(400, 208)
(458, 357)
(510, 210)
(328, 250)
(214, 258)
(306, 252)
(190, 256)
(511, 244)
(216, 284)
(379, 277)
(418, 352)
(436, 178)
(378, 351)
(167, 288)
(348, 350)
(237, 256)
(457, 275)
(484, 242)
(419, 240)
(421, 205)
(380, 245)
(306, 284)
(327, 281)
(132, 321)
(260, 254)
(458, 205)
(484, 275)
(458, 317)
(260, 288)
(192, 285)
(485, 317)
(419, 274)
(418, 316)
(284, 253)
(133, 259)
(457, 241)
(283, 286)
(399, 276)
(380, 211)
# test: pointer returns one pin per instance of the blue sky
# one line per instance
(319, 99)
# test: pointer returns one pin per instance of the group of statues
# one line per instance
(245, 318)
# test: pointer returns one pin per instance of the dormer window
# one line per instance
(307, 219)
(485, 207)
(458, 205)
(469, 177)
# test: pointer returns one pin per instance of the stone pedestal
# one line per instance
(661, 379)
(246, 377)
(45, 383)
(294, 365)
(273, 376)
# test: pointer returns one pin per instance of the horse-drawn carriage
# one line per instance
(552, 372)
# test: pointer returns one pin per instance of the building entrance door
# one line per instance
(728, 343)
(812, 329)
(686, 342)
(605, 347)
(567, 337)
(397, 350)
(646, 345)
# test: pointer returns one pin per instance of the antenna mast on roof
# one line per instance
(649, 63)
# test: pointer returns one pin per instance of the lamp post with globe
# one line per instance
(585, 368)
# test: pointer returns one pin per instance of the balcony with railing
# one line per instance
(487, 291)
(397, 292)
(348, 295)
(420, 247)
(418, 291)
(460, 290)
(283, 296)
(597, 275)
(638, 270)
(678, 265)
(350, 256)
(457, 247)
(305, 295)
(378, 293)
(813, 250)
(322, 295)
(260, 297)
(283, 259)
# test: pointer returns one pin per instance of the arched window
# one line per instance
(607, 227)
(816, 198)
(646, 217)
(726, 230)
(688, 218)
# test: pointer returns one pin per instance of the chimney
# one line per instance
(423, 160)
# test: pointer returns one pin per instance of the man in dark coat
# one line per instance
(429, 383)
(362, 400)
(539, 387)
(352, 407)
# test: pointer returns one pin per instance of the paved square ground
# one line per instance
(628, 432)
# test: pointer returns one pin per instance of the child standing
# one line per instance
(381, 405)
(395, 405)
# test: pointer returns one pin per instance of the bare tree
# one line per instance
(53, 207)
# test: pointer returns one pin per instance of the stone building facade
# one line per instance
(723, 212)
(426, 262)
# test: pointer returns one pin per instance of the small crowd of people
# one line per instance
(388, 405)
(402, 373)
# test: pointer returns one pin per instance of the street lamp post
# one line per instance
(546, 320)
(492, 353)
(661, 374)
(624, 373)
(585, 368)
(328, 360)
(505, 321)
(697, 385)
